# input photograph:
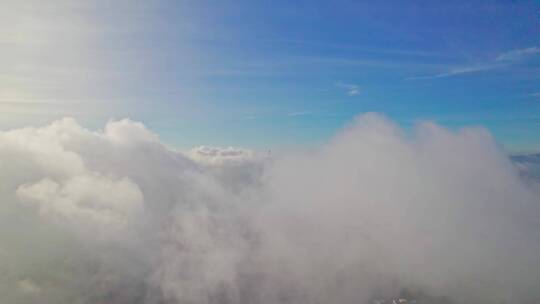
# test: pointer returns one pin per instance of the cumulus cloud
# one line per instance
(114, 216)
(100, 201)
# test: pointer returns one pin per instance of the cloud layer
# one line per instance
(114, 216)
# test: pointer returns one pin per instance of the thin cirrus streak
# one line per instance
(500, 61)
(115, 216)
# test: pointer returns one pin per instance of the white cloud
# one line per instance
(217, 155)
(27, 286)
(518, 54)
(299, 113)
(352, 89)
(456, 71)
(129, 132)
(500, 61)
(90, 201)
(116, 217)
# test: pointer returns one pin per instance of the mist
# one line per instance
(115, 216)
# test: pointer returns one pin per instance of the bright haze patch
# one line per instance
(114, 216)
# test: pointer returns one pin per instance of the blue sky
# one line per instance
(273, 73)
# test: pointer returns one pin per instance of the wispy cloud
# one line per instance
(518, 54)
(351, 89)
(535, 94)
(500, 61)
(455, 71)
(300, 113)
(360, 48)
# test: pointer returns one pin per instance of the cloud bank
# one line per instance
(114, 216)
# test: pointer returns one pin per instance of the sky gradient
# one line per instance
(262, 74)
